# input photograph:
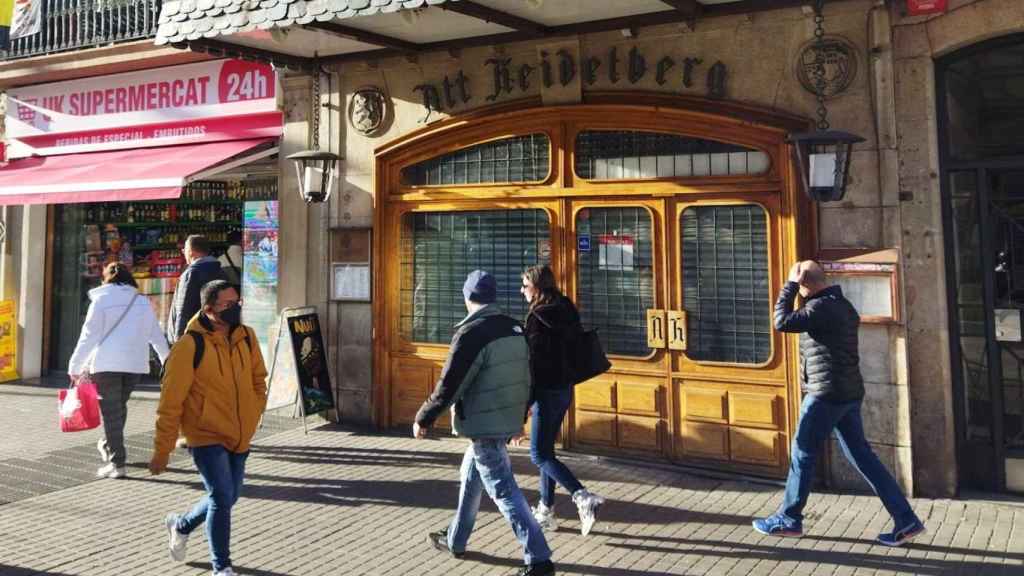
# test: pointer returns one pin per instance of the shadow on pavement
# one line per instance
(21, 571)
(560, 567)
(238, 568)
(354, 456)
(879, 560)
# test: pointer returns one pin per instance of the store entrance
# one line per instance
(671, 242)
(236, 211)
(680, 291)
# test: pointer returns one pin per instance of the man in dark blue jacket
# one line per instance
(833, 392)
(486, 382)
(202, 268)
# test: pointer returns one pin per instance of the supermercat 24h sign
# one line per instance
(203, 102)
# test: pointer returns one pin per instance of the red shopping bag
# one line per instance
(79, 406)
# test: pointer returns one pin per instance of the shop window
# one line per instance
(631, 155)
(517, 159)
(725, 283)
(439, 249)
(238, 217)
(615, 276)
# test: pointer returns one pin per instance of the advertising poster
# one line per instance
(259, 271)
(8, 342)
(311, 363)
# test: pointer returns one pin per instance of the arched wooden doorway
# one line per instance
(670, 221)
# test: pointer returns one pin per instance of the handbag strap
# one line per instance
(118, 323)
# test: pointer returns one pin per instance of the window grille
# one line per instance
(608, 155)
(439, 249)
(615, 276)
(518, 159)
(725, 284)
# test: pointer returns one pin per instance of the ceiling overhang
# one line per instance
(292, 33)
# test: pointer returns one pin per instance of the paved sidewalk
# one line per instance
(36, 457)
(344, 502)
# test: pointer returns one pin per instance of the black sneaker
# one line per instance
(440, 541)
(545, 568)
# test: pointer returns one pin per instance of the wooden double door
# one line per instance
(680, 287)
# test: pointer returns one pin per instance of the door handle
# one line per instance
(666, 329)
(677, 330)
(657, 329)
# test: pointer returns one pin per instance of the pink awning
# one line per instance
(121, 175)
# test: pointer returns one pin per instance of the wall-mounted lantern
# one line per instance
(823, 156)
(315, 169)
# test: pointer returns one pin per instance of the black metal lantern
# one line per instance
(315, 170)
(823, 156)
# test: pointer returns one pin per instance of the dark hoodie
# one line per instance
(186, 294)
(549, 329)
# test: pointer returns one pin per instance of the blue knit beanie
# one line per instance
(480, 287)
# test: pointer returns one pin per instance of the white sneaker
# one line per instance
(225, 572)
(105, 454)
(587, 504)
(112, 471)
(545, 517)
(177, 542)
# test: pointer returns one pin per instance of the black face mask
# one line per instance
(232, 315)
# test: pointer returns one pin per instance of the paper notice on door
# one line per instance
(615, 252)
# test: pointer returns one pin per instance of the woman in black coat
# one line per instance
(551, 324)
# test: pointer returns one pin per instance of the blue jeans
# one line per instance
(817, 420)
(486, 466)
(222, 472)
(549, 410)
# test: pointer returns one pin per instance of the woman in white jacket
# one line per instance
(114, 349)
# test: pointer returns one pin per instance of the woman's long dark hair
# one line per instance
(543, 279)
(118, 273)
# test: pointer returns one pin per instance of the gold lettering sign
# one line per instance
(656, 328)
(676, 330)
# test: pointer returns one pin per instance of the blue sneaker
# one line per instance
(778, 525)
(901, 536)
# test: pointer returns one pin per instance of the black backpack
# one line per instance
(197, 357)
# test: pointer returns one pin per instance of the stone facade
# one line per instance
(917, 41)
(759, 53)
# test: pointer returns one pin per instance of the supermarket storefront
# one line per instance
(131, 164)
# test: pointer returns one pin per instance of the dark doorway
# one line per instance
(981, 105)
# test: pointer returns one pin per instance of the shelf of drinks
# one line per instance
(169, 246)
(219, 223)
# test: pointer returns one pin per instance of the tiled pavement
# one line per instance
(342, 501)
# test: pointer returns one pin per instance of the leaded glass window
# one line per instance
(632, 155)
(517, 159)
(615, 276)
(439, 249)
(725, 283)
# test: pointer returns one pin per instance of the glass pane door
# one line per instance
(615, 275)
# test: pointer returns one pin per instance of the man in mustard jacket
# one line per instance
(215, 389)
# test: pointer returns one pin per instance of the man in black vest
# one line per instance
(833, 392)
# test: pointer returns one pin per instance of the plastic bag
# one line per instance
(78, 407)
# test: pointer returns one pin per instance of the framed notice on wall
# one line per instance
(351, 275)
(869, 281)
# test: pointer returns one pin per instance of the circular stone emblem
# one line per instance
(838, 59)
(368, 110)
